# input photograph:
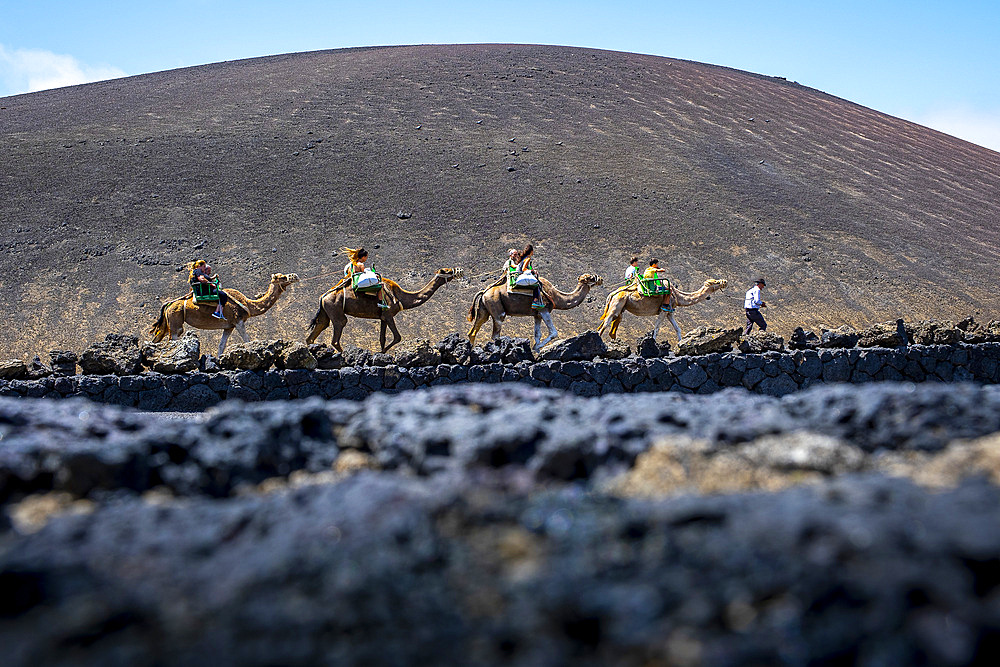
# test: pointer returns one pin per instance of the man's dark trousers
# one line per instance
(754, 317)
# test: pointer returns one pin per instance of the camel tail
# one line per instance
(607, 305)
(159, 328)
(477, 303)
(315, 319)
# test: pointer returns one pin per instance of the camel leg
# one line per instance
(659, 320)
(175, 323)
(670, 317)
(476, 326)
(614, 317)
(225, 339)
(498, 315)
(395, 334)
(242, 328)
(547, 318)
(321, 322)
(338, 322)
(538, 333)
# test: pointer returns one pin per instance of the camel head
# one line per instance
(283, 280)
(714, 285)
(590, 279)
(450, 274)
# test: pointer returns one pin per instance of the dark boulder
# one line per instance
(295, 356)
(356, 356)
(117, 354)
(803, 339)
(327, 358)
(843, 337)
(884, 334)
(455, 349)
(648, 347)
(13, 369)
(63, 362)
(616, 349)
(256, 355)
(36, 370)
(506, 350)
(172, 356)
(705, 340)
(934, 332)
(760, 342)
(416, 353)
(578, 348)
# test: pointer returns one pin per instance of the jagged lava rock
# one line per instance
(760, 342)
(705, 340)
(172, 356)
(117, 354)
(295, 356)
(648, 347)
(416, 353)
(578, 348)
(255, 355)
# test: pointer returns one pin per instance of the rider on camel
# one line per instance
(200, 272)
(356, 265)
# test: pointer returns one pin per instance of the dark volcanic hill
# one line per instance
(447, 155)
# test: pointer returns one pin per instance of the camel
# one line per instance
(336, 304)
(628, 299)
(174, 314)
(497, 303)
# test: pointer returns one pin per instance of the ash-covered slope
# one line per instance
(447, 155)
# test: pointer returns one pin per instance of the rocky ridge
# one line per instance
(506, 524)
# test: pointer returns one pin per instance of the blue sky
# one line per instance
(935, 63)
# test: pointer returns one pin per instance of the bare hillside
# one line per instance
(447, 155)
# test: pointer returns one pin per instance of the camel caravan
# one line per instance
(363, 293)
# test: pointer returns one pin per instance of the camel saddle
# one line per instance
(653, 286)
(206, 293)
(365, 282)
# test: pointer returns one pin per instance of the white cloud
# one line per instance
(979, 127)
(30, 70)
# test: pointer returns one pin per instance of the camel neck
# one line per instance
(413, 299)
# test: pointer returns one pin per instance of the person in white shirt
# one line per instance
(632, 270)
(753, 303)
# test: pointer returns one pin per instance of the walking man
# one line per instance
(753, 304)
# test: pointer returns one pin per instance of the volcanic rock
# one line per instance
(934, 332)
(884, 334)
(416, 352)
(356, 356)
(63, 362)
(13, 369)
(648, 347)
(843, 337)
(578, 348)
(705, 340)
(760, 342)
(295, 356)
(617, 349)
(255, 355)
(455, 349)
(172, 356)
(506, 350)
(802, 339)
(117, 354)
(327, 358)
(36, 370)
